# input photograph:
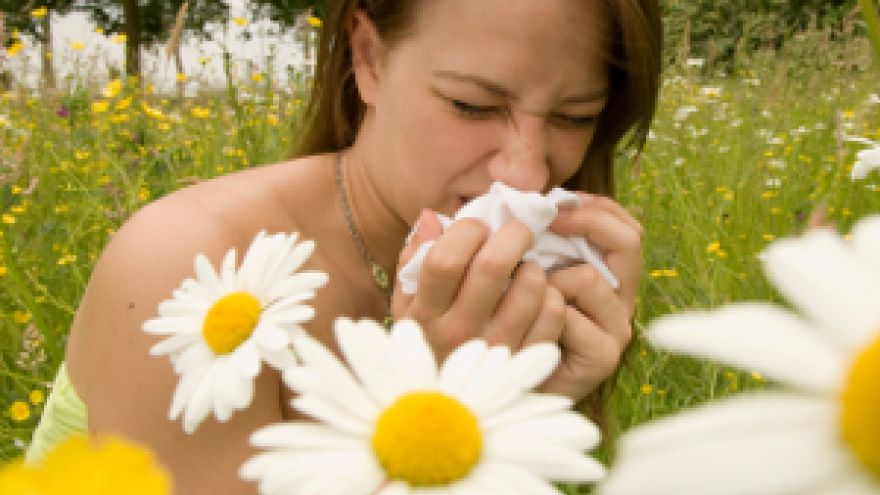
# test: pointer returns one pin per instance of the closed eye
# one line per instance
(574, 120)
(473, 111)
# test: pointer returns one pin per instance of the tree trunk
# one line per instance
(178, 65)
(46, 53)
(133, 38)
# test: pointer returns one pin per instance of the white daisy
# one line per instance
(867, 159)
(396, 424)
(222, 325)
(820, 433)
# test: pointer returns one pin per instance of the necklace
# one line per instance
(380, 275)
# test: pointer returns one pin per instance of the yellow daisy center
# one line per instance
(860, 416)
(230, 321)
(427, 438)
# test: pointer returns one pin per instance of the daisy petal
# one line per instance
(206, 276)
(339, 385)
(331, 414)
(366, 348)
(302, 434)
(564, 429)
(754, 337)
(819, 275)
(866, 243)
(459, 365)
(185, 388)
(413, 358)
(758, 444)
(546, 460)
(528, 406)
(476, 392)
(500, 477)
(523, 371)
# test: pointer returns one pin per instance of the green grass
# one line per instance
(761, 152)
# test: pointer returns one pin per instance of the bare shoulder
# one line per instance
(127, 391)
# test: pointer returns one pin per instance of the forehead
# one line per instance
(551, 41)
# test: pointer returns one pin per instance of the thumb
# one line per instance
(427, 228)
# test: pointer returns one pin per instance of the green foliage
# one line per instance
(156, 16)
(18, 14)
(286, 12)
(718, 30)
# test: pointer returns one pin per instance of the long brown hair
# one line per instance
(335, 110)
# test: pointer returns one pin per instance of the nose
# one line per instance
(522, 159)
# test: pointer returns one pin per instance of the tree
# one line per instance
(35, 18)
(287, 12)
(148, 22)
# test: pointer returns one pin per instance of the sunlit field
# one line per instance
(739, 155)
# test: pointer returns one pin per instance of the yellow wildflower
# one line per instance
(647, 389)
(123, 104)
(240, 21)
(112, 89)
(19, 411)
(181, 77)
(8, 219)
(21, 317)
(314, 22)
(99, 30)
(40, 12)
(14, 49)
(143, 193)
(100, 106)
(77, 45)
(257, 77)
(119, 39)
(200, 112)
(81, 155)
(3, 270)
(152, 112)
(36, 397)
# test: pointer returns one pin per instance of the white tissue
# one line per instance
(537, 211)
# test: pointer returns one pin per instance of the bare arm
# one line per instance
(127, 391)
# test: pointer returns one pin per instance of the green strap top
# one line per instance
(64, 415)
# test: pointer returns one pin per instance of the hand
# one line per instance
(597, 318)
(473, 285)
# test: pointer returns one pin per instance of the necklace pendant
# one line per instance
(380, 276)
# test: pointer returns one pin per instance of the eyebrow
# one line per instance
(493, 87)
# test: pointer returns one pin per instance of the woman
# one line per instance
(418, 106)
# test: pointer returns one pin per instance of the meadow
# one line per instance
(740, 154)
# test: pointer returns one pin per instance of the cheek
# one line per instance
(567, 151)
(435, 134)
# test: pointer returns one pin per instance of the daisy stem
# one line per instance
(869, 13)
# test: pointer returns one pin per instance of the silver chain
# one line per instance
(380, 275)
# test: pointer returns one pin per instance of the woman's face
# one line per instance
(484, 91)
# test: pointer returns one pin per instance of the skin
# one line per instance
(437, 131)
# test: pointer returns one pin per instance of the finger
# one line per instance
(489, 275)
(589, 356)
(607, 204)
(445, 265)
(550, 323)
(427, 228)
(585, 289)
(519, 308)
(602, 228)
(620, 245)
